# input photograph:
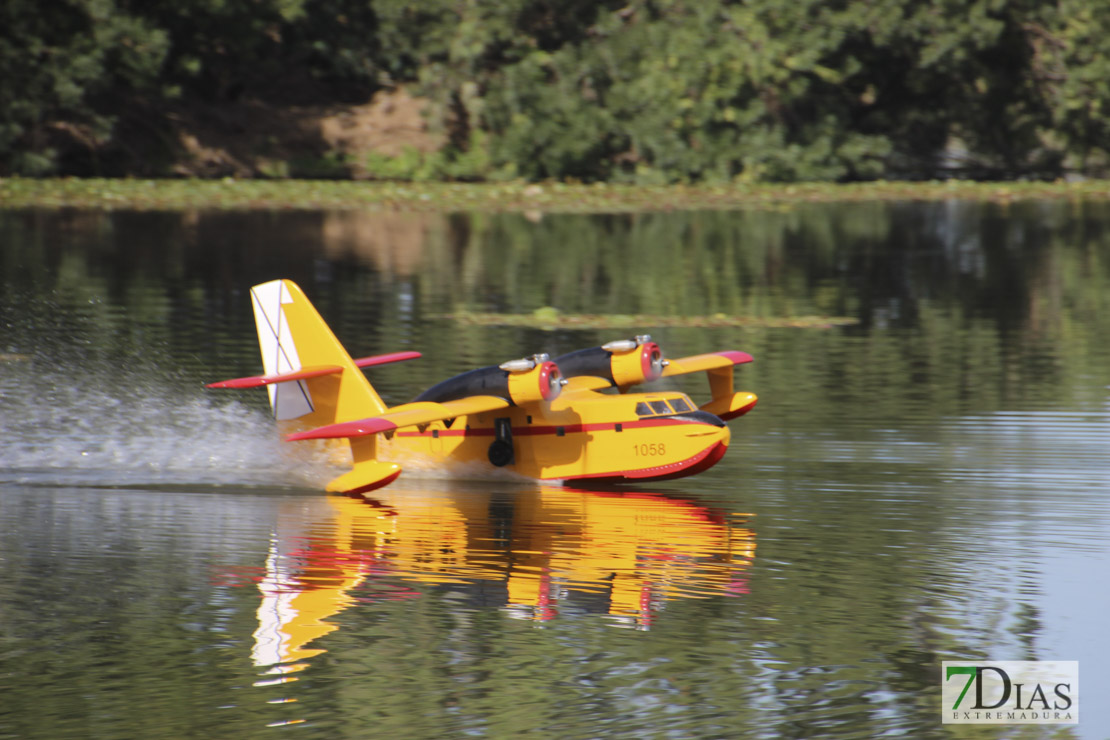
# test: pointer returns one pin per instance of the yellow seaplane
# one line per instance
(542, 418)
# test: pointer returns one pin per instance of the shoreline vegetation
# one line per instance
(513, 196)
(550, 319)
(646, 92)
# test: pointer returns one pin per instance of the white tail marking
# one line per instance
(279, 351)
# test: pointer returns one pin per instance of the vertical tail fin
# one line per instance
(293, 337)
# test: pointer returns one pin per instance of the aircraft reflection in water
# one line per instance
(620, 553)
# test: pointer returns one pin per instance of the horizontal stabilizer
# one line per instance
(386, 358)
(257, 381)
(410, 414)
(711, 361)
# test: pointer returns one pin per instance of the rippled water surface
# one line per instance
(925, 478)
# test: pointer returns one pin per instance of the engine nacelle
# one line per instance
(533, 378)
(542, 382)
(623, 363)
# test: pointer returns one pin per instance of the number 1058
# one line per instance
(649, 449)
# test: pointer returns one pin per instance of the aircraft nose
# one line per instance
(702, 419)
(726, 435)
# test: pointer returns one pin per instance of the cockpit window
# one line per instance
(658, 408)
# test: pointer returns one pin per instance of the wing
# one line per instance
(586, 383)
(726, 403)
(707, 362)
(407, 415)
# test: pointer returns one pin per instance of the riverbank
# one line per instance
(228, 193)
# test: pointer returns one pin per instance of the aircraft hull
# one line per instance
(571, 445)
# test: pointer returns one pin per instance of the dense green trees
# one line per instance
(64, 69)
(648, 90)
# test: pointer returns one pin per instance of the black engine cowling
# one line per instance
(623, 362)
(517, 381)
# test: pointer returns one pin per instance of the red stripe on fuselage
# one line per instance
(531, 431)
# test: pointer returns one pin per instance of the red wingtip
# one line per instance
(738, 358)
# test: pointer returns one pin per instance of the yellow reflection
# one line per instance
(622, 554)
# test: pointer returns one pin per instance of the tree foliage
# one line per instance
(643, 91)
(63, 68)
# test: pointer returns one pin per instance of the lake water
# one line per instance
(925, 478)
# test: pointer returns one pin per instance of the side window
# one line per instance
(660, 407)
(680, 405)
(642, 409)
